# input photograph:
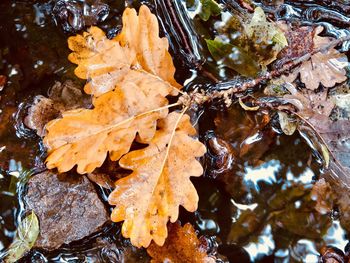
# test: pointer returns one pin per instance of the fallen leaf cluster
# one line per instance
(130, 77)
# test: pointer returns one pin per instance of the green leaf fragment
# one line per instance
(209, 8)
(267, 37)
(233, 57)
(26, 235)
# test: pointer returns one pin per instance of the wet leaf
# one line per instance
(268, 39)
(182, 245)
(300, 42)
(110, 127)
(132, 74)
(233, 57)
(209, 8)
(61, 97)
(26, 235)
(325, 154)
(130, 77)
(160, 182)
(247, 108)
(326, 68)
(288, 125)
(138, 49)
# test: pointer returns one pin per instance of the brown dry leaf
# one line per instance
(326, 67)
(132, 74)
(107, 63)
(160, 182)
(62, 97)
(300, 42)
(182, 245)
(309, 102)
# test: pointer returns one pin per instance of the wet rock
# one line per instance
(75, 15)
(62, 97)
(67, 206)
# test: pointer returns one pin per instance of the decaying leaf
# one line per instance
(26, 235)
(309, 103)
(61, 97)
(233, 57)
(288, 125)
(326, 67)
(136, 50)
(182, 245)
(132, 74)
(244, 46)
(300, 42)
(267, 37)
(160, 182)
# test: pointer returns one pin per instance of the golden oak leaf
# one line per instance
(130, 78)
(160, 182)
(106, 63)
(182, 245)
(83, 137)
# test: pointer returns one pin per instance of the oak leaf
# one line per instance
(83, 137)
(326, 67)
(182, 245)
(160, 182)
(106, 63)
(131, 75)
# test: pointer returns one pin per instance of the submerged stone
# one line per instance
(67, 206)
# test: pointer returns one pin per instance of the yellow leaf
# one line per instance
(182, 245)
(130, 77)
(83, 137)
(106, 63)
(160, 182)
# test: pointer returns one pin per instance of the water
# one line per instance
(255, 196)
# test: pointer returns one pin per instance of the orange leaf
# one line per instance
(160, 182)
(83, 137)
(107, 63)
(131, 75)
(182, 245)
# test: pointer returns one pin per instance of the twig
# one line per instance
(225, 90)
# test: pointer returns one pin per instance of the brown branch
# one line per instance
(226, 90)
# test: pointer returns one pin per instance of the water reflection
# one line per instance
(264, 205)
